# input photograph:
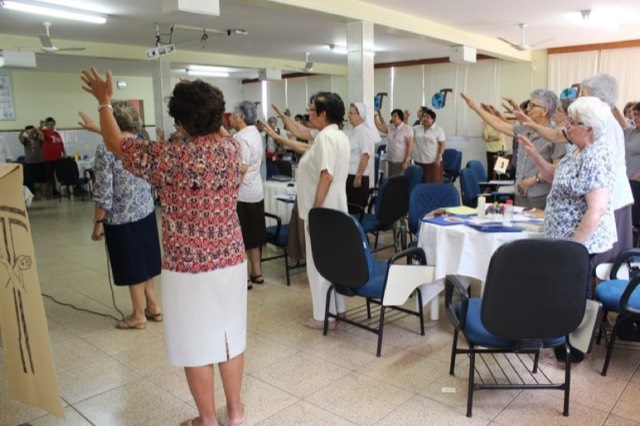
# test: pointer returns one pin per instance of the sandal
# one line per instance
(249, 285)
(153, 317)
(128, 324)
(256, 279)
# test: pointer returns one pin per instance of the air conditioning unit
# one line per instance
(269, 74)
(201, 7)
(462, 55)
(15, 59)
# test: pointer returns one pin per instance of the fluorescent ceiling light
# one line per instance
(204, 73)
(78, 4)
(210, 69)
(73, 14)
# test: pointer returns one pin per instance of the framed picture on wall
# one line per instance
(7, 106)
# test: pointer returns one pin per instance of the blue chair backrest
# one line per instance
(451, 163)
(392, 201)
(469, 187)
(380, 148)
(477, 167)
(414, 174)
(428, 197)
(272, 170)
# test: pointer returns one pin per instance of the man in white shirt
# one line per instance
(362, 142)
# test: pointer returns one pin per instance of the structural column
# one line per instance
(162, 90)
(360, 78)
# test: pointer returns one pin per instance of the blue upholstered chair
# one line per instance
(352, 271)
(414, 174)
(451, 163)
(428, 197)
(278, 235)
(534, 296)
(477, 167)
(619, 295)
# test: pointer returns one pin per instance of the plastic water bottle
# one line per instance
(482, 206)
(508, 213)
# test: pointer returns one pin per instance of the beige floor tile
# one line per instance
(129, 404)
(305, 413)
(405, 369)
(115, 341)
(174, 416)
(627, 406)
(93, 379)
(295, 335)
(424, 411)
(144, 358)
(544, 407)
(301, 374)
(346, 398)
(345, 349)
(173, 380)
(72, 418)
(261, 400)
(263, 352)
(13, 412)
(73, 353)
(614, 420)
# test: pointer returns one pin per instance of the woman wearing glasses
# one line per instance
(531, 191)
(579, 205)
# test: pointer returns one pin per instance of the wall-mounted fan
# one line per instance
(522, 46)
(46, 45)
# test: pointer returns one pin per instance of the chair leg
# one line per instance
(454, 348)
(420, 311)
(380, 330)
(375, 244)
(368, 309)
(286, 266)
(610, 344)
(536, 360)
(602, 326)
(567, 379)
(326, 311)
(472, 370)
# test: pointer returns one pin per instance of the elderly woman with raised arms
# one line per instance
(204, 269)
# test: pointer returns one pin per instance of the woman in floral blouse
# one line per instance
(125, 215)
(204, 269)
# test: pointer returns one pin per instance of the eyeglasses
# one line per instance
(531, 105)
(574, 123)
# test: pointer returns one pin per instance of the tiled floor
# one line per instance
(293, 376)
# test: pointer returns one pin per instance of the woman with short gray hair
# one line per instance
(251, 195)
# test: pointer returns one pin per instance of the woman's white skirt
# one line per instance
(205, 315)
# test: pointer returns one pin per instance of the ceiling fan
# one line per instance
(308, 66)
(522, 46)
(46, 45)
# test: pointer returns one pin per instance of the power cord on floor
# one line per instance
(113, 296)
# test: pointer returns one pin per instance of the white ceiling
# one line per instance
(279, 34)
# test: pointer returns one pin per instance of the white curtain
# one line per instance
(297, 95)
(408, 89)
(624, 65)
(570, 68)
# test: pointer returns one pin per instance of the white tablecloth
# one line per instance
(84, 165)
(459, 249)
(272, 205)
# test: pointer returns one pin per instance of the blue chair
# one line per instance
(469, 187)
(635, 211)
(391, 204)
(380, 148)
(414, 174)
(272, 170)
(352, 271)
(278, 235)
(428, 197)
(478, 167)
(535, 294)
(619, 295)
(451, 163)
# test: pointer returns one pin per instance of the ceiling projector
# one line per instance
(157, 51)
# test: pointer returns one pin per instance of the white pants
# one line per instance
(319, 285)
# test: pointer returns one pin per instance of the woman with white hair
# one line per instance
(531, 190)
(362, 140)
(251, 195)
(579, 206)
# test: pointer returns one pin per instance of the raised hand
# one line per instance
(101, 89)
(87, 123)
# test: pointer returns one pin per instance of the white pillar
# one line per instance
(162, 90)
(360, 78)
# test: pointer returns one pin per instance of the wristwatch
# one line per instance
(537, 178)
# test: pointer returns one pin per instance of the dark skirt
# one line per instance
(432, 172)
(251, 216)
(134, 250)
(34, 173)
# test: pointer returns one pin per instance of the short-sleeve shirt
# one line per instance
(527, 167)
(125, 197)
(361, 142)
(197, 182)
(425, 143)
(52, 146)
(632, 150)
(397, 144)
(622, 195)
(576, 175)
(330, 152)
(251, 146)
(32, 150)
